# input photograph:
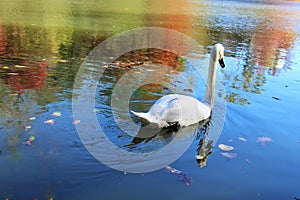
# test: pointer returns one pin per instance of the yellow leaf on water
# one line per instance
(31, 138)
(5, 67)
(225, 147)
(56, 114)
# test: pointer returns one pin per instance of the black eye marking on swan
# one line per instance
(221, 61)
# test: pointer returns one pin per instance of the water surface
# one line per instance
(42, 46)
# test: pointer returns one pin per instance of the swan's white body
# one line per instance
(175, 108)
(181, 109)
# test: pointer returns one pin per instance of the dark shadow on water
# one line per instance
(153, 133)
(140, 143)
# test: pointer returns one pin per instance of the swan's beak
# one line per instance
(221, 61)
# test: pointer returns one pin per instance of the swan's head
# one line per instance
(219, 53)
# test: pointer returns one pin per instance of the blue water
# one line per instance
(45, 48)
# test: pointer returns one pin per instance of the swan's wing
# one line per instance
(173, 111)
(161, 104)
(156, 114)
(184, 109)
(168, 108)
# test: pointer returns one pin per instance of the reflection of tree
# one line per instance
(15, 112)
(26, 77)
(150, 56)
(244, 79)
(271, 45)
(263, 47)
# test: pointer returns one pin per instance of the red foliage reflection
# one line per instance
(2, 41)
(27, 77)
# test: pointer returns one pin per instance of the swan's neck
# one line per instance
(209, 97)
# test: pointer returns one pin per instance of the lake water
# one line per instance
(42, 46)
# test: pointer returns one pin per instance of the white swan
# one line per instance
(185, 110)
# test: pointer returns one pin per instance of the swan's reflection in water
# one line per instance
(185, 135)
(205, 144)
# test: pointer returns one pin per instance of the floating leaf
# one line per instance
(263, 139)
(27, 128)
(185, 179)
(276, 98)
(182, 177)
(5, 67)
(29, 140)
(13, 94)
(242, 139)
(32, 118)
(56, 114)
(77, 121)
(50, 121)
(225, 147)
(173, 170)
(229, 155)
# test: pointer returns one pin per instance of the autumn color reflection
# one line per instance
(271, 46)
(27, 77)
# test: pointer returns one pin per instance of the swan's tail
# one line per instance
(144, 117)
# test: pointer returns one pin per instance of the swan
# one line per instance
(182, 110)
